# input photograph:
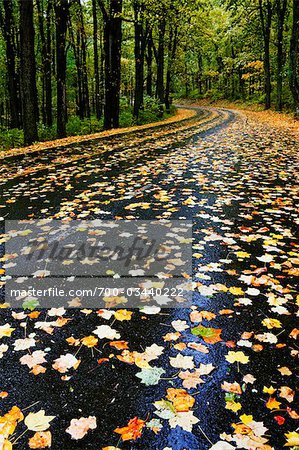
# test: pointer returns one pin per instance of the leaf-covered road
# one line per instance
(222, 371)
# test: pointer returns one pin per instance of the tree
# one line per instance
(61, 16)
(149, 64)
(112, 49)
(172, 46)
(46, 61)
(160, 60)
(13, 80)
(97, 94)
(294, 49)
(281, 8)
(266, 13)
(141, 29)
(28, 72)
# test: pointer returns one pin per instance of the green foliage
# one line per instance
(77, 127)
(11, 138)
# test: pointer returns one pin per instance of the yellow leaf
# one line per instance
(237, 357)
(123, 314)
(271, 323)
(89, 341)
(6, 330)
(269, 390)
(233, 406)
(272, 403)
(293, 439)
(236, 290)
(243, 255)
(246, 419)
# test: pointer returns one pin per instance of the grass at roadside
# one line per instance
(12, 138)
(179, 116)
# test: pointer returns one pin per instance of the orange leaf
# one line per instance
(182, 401)
(120, 345)
(132, 431)
(41, 439)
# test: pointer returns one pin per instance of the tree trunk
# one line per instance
(112, 51)
(85, 89)
(61, 14)
(281, 13)
(97, 98)
(171, 57)
(28, 69)
(294, 50)
(139, 49)
(266, 20)
(160, 62)
(12, 75)
(48, 69)
(76, 44)
(40, 14)
(149, 64)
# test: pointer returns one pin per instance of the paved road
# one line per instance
(238, 182)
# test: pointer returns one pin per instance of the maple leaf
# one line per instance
(89, 341)
(287, 393)
(191, 379)
(79, 427)
(120, 345)
(222, 445)
(284, 371)
(23, 344)
(232, 387)
(66, 362)
(199, 347)
(271, 323)
(246, 419)
(132, 431)
(105, 331)
(123, 314)
(180, 399)
(209, 335)
(269, 390)
(233, 406)
(185, 420)
(42, 439)
(272, 403)
(179, 325)
(236, 290)
(150, 376)
(6, 330)
(38, 421)
(294, 333)
(237, 357)
(182, 362)
(36, 358)
(292, 439)
(111, 447)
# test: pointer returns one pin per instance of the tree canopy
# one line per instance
(93, 59)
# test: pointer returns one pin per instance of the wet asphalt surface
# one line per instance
(229, 172)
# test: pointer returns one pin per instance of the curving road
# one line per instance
(237, 180)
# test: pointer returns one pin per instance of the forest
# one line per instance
(79, 66)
